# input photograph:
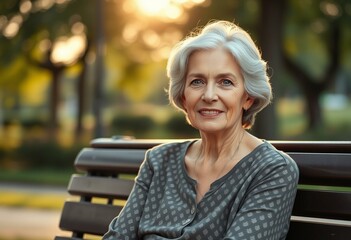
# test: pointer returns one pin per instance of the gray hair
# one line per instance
(240, 45)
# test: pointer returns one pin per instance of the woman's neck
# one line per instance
(213, 147)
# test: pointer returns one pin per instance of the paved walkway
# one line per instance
(22, 223)
(25, 223)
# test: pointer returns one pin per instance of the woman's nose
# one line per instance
(210, 93)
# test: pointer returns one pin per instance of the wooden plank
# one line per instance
(330, 169)
(100, 186)
(316, 230)
(67, 238)
(313, 146)
(110, 160)
(324, 204)
(129, 143)
(87, 217)
(288, 146)
(325, 221)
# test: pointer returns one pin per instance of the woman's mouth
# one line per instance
(210, 112)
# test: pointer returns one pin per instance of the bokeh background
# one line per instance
(75, 70)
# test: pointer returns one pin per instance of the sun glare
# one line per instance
(67, 50)
(152, 7)
(165, 9)
(147, 12)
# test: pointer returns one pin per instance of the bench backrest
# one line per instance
(322, 207)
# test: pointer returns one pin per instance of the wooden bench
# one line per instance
(322, 208)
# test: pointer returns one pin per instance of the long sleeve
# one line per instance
(265, 212)
(125, 225)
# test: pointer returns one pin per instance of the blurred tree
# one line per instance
(270, 30)
(52, 35)
(314, 48)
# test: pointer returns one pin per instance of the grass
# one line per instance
(37, 176)
(27, 199)
(32, 200)
(44, 200)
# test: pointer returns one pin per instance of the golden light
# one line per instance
(173, 12)
(151, 38)
(25, 6)
(167, 10)
(44, 45)
(40, 5)
(144, 15)
(152, 7)
(68, 50)
(78, 28)
(330, 9)
(13, 26)
(130, 32)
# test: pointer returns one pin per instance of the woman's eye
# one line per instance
(227, 82)
(196, 82)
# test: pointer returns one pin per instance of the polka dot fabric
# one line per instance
(253, 201)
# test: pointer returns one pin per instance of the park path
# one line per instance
(24, 223)
(28, 223)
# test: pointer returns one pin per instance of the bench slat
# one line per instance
(110, 160)
(66, 238)
(87, 217)
(100, 186)
(316, 230)
(332, 169)
(286, 146)
(325, 204)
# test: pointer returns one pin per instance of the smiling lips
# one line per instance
(210, 112)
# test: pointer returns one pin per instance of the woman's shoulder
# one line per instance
(268, 155)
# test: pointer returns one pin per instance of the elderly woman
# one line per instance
(228, 184)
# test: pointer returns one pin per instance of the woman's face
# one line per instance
(214, 93)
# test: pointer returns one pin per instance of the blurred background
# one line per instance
(74, 70)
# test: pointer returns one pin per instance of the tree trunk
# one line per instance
(313, 88)
(314, 109)
(81, 85)
(99, 72)
(54, 102)
(270, 39)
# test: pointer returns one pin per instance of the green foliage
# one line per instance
(40, 176)
(41, 154)
(135, 126)
(30, 123)
(145, 127)
(178, 127)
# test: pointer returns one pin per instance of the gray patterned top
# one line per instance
(253, 201)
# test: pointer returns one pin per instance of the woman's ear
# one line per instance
(248, 102)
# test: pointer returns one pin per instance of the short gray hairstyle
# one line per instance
(243, 49)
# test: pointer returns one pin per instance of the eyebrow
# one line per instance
(228, 75)
(219, 75)
(195, 75)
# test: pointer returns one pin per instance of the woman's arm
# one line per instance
(126, 224)
(265, 212)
